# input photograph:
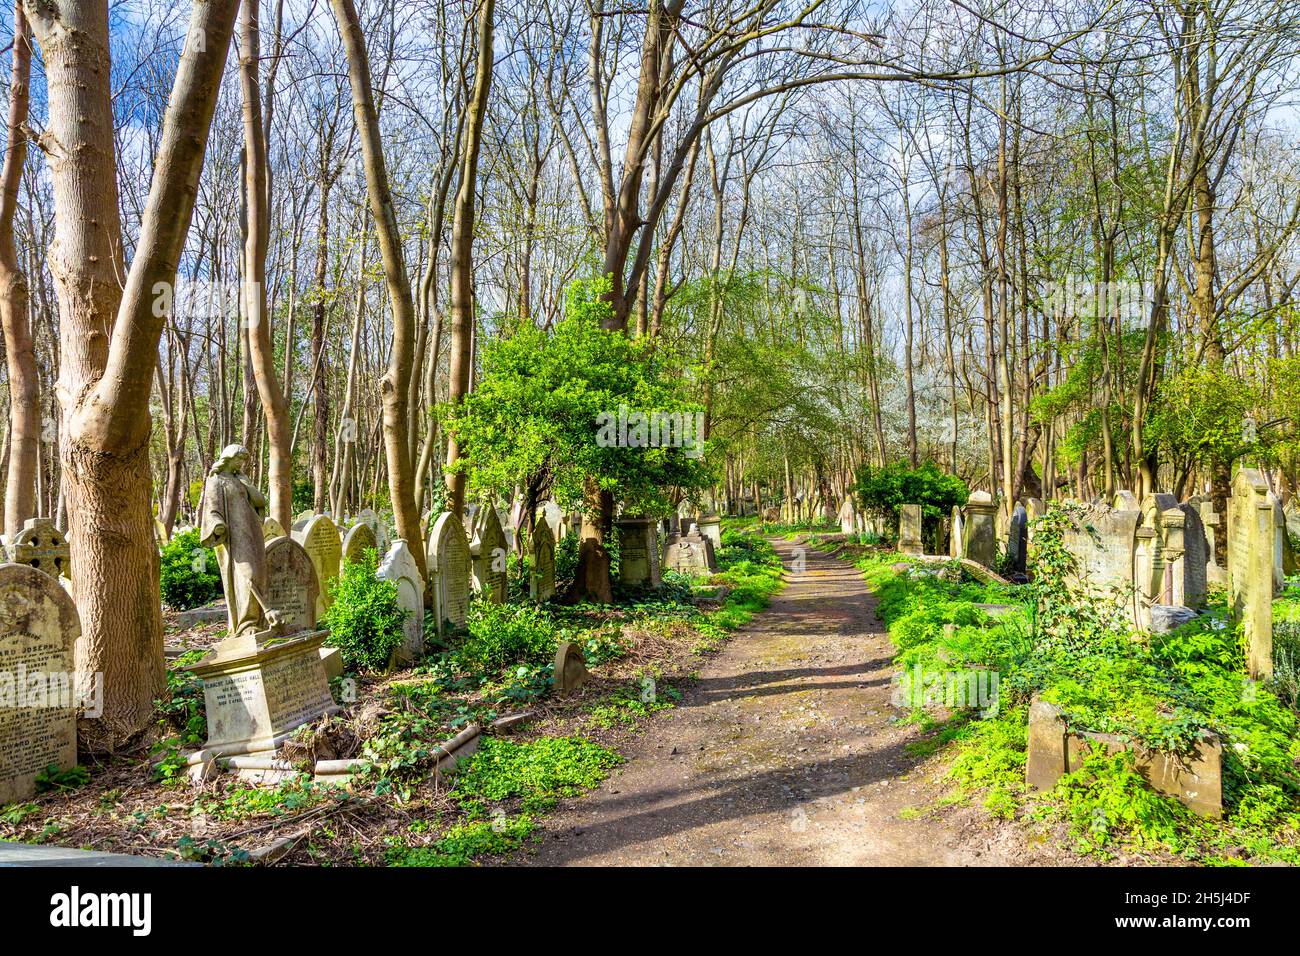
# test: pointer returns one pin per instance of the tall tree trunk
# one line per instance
(20, 355)
(109, 336)
(394, 387)
(257, 225)
(462, 249)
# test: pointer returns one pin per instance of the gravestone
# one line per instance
(39, 628)
(1210, 521)
(41, 545)
(909, 529)
(449, 572)
(319, 536)
(1250, 567)
(690, 553)
(541, 584)
(1102, 541)
(570, 668)
(956, 534)
(711, 528)
(638, 539)
(378, 527)
(291, 585)
(979, 534)
(360, 539)
(1018, 539)
(399, 567)
(848, 518)
(272, 529)
(1282, 562)
(1034, 509)
(1125, 501)
(489, 550)
(554, 517)
(160, 533)
(1190, 576)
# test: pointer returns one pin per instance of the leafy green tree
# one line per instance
(553, 412)
(880, 491)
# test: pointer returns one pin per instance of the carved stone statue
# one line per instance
(232, 525)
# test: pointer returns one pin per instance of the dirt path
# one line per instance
(782, 753)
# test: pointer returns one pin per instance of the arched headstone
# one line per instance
(39, 628)
(490, 552)
(291, 585)
(449, 572)
(542, 583)
(399, 567)
(378, 527)
(320, 538)
(359, 539)
(272, 529)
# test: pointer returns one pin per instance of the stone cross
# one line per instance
(40, 544)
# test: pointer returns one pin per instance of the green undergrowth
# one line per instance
(1051, 641)
(500, 790)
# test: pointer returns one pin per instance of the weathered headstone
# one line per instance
(1210, 520)
(291, 585)
(1158, 553)
(909, 529)
(979, 534)
(359, 539)
(1034, 509)
(956, 534)
(489, 551)
(1190, 579)
(1281, 545)
(1250, 567)
(38, 686)
(378, 527)
(320, 537)
(570, 668)
(848, 517)
(711, 528)
(638, 552)
(40, 544)
(1018, 539)
(542, 583)
(1102, 541)
(449, 572)
(272, 529)
(555, 518)
(690, 553)
(399, 567)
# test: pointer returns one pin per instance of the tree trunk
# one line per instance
(110, 334)
(394, 387)
(257, 225)
(462, 249)
(20, 355)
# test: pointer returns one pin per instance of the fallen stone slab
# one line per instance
(208, 614)
(23, 854)
(1194, 780)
